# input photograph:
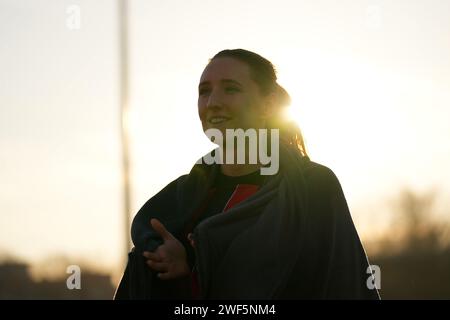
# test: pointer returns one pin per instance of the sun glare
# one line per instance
(339, 103)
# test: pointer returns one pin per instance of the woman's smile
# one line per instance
(218, 120)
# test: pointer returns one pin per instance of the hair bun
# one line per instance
(284, 99)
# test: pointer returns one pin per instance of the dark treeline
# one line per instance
(16, 282)
(414, 257)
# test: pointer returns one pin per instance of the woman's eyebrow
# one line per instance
(203, 83)
(231, 81)
(223, 81)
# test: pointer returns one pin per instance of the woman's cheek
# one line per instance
(201, 111)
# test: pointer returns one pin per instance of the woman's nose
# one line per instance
(214, 100)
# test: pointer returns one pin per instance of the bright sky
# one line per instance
(369, 82)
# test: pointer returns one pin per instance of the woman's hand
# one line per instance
(169, 259)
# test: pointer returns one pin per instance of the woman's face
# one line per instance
(228, 97)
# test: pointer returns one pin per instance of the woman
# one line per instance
(226, 231)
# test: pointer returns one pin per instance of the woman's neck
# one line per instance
(235, 170)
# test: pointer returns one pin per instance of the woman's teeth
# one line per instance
(217, 120)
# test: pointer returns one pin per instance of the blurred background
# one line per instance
(91, 92)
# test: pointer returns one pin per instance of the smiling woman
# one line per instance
(247, 87)
(226, 231)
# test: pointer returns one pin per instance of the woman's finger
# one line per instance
(160, 229)
(157, 266)
(152, 256)
(165, 275)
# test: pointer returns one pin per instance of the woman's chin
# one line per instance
(221, 128)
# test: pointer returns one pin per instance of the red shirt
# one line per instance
(226, 193)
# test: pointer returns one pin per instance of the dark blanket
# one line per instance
(293, 239)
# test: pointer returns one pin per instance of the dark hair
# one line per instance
(263, 73)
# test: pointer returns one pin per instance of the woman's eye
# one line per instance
(203, 91)
(232, 89)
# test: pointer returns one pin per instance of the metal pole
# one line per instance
(124, 120)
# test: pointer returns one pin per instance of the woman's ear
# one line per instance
(269, 106)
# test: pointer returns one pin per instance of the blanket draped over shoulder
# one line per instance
(293, 239)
